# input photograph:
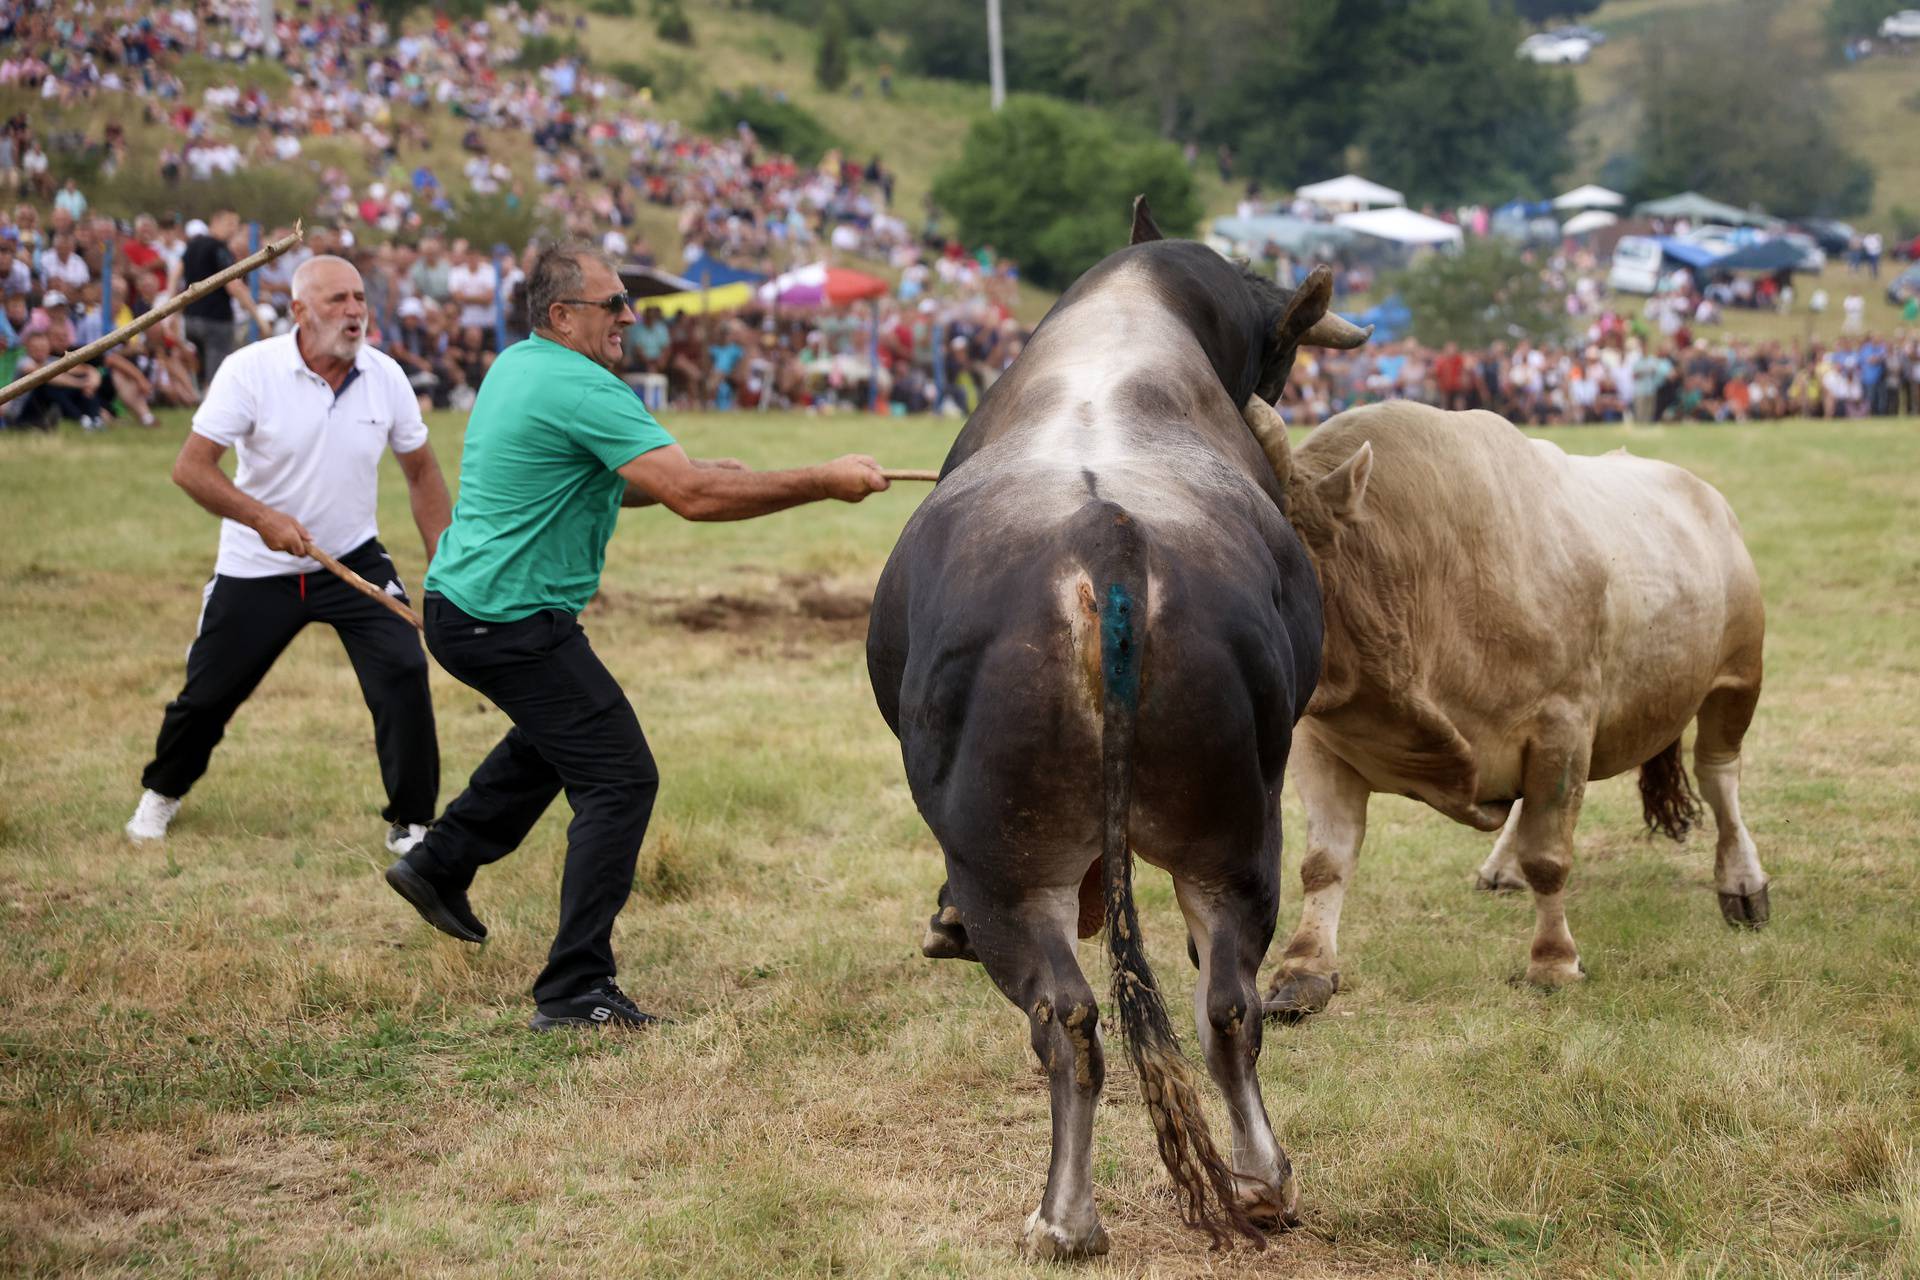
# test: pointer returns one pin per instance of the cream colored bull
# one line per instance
(1504, 623)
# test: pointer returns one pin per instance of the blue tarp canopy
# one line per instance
(1390, 319)
(1687, 253)
(1768, 255)
(711, 273)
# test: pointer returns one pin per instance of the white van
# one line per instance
(1636, 265)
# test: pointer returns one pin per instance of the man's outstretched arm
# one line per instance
(725, 490)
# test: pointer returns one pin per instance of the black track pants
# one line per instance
(573, 730)
(246, 623)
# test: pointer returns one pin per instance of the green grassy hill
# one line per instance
(1878, 99)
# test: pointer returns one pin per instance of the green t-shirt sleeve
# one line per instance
(615, 427)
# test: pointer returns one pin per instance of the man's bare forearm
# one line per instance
(432, 510)
(209, 486)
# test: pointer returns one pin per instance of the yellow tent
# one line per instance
(727, 297)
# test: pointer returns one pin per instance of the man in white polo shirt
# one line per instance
(310, 413)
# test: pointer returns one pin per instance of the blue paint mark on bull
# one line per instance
(1119, 655)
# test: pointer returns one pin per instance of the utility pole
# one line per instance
(996, 65)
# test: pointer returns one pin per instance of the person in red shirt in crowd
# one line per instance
(1450, 376)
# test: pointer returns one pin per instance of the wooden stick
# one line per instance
(361, 585)
(891, 474)
(86, 354)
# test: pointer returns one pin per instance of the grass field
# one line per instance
(240, 1054)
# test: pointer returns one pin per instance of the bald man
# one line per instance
(308, 413)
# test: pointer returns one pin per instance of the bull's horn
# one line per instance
(1331, 331)
(1144, 227)
(1270, 429)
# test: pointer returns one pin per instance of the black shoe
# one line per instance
(444, 908)
(605, 1006)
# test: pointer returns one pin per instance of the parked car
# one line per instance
(1636, 265)
(1812, 256)
(1833, 237)
(1905, 285)
(1904, 25)
(1553, 51)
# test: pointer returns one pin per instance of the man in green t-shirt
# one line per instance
(556, 445)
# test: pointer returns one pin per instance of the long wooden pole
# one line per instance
(361, 585)
(85, 355)
(892, 474)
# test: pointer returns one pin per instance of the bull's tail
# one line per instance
(1667, 798)
(1201, 1178)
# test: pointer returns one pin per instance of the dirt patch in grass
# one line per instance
(806, 608)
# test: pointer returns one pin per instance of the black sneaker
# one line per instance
(605, 1006)
(442, 907)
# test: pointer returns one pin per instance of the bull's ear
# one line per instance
(1343, 487)
(1304, 310)
(1144, 227)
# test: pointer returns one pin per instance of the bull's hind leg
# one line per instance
(1335, 797)
(1553, 784)
(1230, 928)
(1025, 939)
(1737, 874)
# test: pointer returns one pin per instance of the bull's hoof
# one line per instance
(1267, 1208)
(1746, 910)
(1295, 995)
(1051, 1242)
(946, 938)
(1552, 974)
(1504, 880)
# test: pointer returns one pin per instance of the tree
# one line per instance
(1846, 19)
(1490, 291)
(1447, 113)
(830, 68)
(1540, 12)
(1704, 128)
(1052, 187)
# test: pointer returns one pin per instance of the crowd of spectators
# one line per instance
(442, 306)
(1617, 376)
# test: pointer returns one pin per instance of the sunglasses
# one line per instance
(613, 306)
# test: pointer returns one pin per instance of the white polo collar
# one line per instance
(299, 363)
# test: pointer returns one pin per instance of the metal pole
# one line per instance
(253, 281)
(996, 65)
(106, 289)
(939, 365)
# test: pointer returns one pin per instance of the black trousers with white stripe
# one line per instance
(247, 623)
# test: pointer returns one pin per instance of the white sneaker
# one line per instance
(402, 836)
(151, 819)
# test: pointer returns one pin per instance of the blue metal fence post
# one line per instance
(106, 289)
(939, 364)
(253, 282)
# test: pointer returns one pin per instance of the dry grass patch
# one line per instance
(241, 1054)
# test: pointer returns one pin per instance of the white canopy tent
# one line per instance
(1592, 220)
(1349, 191)
(1401, 226)
(1589, 197)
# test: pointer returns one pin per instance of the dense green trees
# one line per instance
(1706, 127)
(1425, 94)
(1488, 292)
(1052, 187)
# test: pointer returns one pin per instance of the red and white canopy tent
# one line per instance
(820, 285)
